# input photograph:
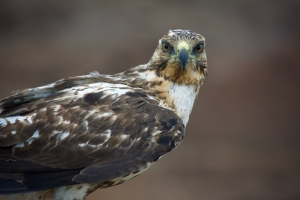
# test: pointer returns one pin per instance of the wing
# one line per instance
(89, 133)
(32, 94)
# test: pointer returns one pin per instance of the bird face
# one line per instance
(180, 57)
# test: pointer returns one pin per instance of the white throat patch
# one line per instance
(183, 99)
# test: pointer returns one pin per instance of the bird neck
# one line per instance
(178, 97)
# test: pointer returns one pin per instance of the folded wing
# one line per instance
(89, 133)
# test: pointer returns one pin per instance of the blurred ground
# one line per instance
(242, 140)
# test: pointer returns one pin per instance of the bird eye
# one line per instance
(165, 46)
(199, 47)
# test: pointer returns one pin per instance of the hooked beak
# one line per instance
(183, 57)
(183, 49)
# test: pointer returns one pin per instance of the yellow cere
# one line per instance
(183, 44)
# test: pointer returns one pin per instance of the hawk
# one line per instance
(66, 139)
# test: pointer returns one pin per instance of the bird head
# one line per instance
(180, 57)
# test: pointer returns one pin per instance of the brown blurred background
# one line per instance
(242, 140)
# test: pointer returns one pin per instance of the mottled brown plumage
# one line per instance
(68, 138)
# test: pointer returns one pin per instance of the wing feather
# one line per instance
(85, 134)
(33, 94)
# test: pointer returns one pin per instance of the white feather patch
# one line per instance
(155, 133)
(54, 133)
(148, 76)
(56, 107)
(14, 119)
(33, 137)
(3, 122)
(75, 192)
(183, 105)
(63, 135)
(19, 145)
